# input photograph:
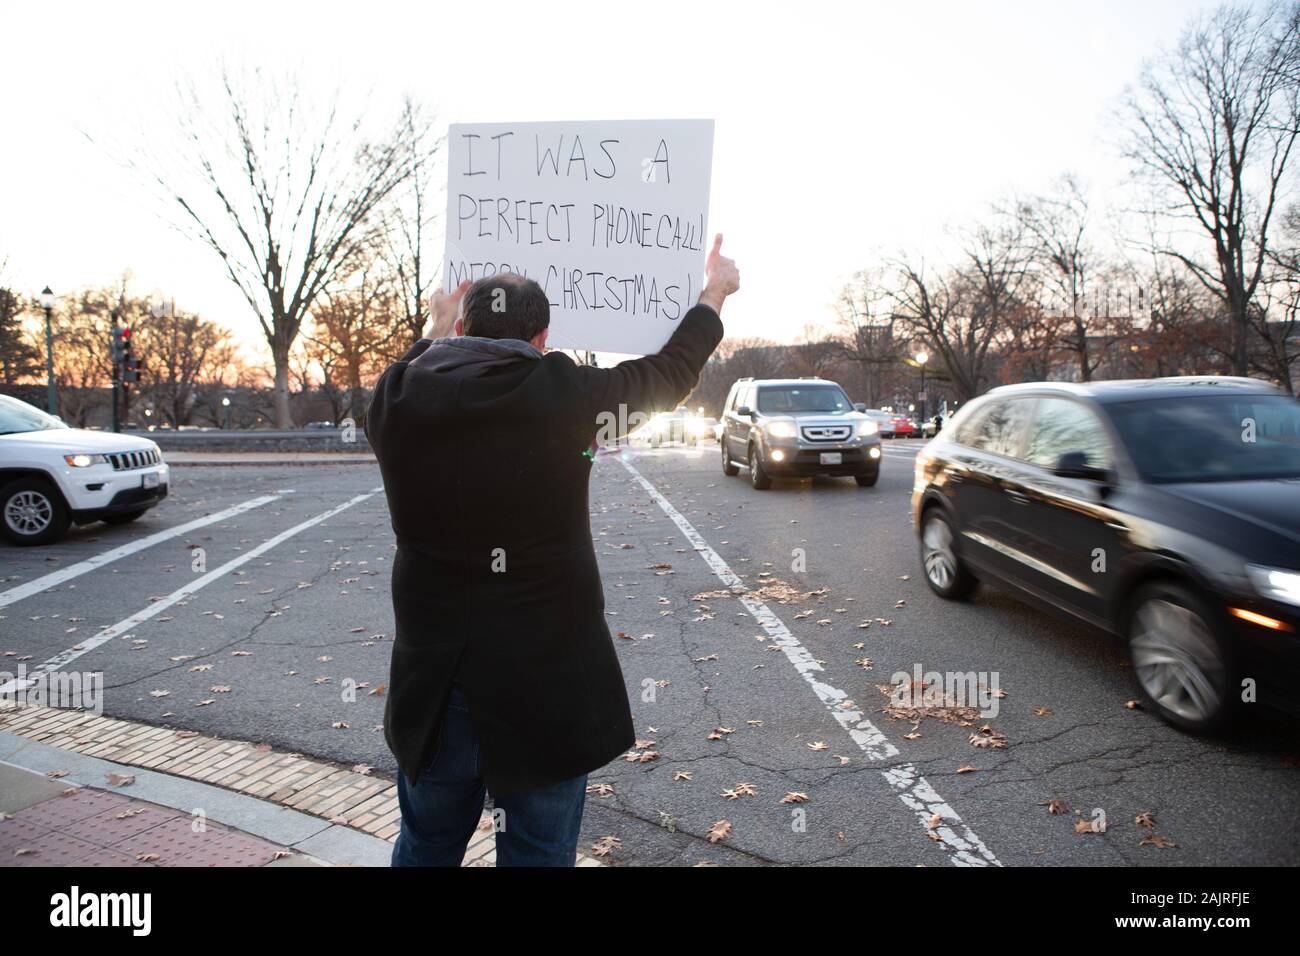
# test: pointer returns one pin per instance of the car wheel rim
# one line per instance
(1176, 659)
(940, 560)
(28, 513)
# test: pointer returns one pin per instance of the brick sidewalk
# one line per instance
(45, 823)
(352, 798)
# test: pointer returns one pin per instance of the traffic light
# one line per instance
(130, 365)
(119, 348)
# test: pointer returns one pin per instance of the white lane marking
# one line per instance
(123, 626)
(54, 578)
(904, 779)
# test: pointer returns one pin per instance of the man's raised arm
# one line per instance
(659, 382)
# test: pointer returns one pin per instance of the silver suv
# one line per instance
(797, 427)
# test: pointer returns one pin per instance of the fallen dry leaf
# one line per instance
(719, 831)
(119, 779)
(1159, 842)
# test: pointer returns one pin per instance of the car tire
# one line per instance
(944, 571)
(729, 468)
(758, 476)
(1180, 657)
(868, 480)
(125, 517)
(32, 512)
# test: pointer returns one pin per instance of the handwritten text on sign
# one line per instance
(609, 218)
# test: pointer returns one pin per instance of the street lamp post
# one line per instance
(921, 358)
(51, 397)
(225, 404)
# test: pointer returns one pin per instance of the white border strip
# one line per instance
(121, 627)
(916, 793)
(54, 578)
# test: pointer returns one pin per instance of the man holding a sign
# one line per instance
(504, 677)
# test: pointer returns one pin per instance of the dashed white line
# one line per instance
(905, 780)
(55, 578)
(125, 625)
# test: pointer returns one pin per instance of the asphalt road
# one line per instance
(279, 628)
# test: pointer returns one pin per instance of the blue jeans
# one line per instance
(440, 812)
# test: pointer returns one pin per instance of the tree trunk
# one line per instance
(283, 417)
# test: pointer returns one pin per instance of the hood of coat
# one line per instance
(472, 353)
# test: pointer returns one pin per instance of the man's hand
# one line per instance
(721, 277)
(443, 309)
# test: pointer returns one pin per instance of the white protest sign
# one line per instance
(609, 217)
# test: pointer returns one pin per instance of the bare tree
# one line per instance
(1057, 226)
(961, 315)
(350, 326)
(407, 221)
(1277, 321)
(284, 195)
(180, 351)
(1215, 121)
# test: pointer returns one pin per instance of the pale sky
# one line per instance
(844, 132)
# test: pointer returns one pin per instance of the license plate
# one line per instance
(832, 458)
(151, 480)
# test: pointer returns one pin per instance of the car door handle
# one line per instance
(1019, 497)
(1117, 526)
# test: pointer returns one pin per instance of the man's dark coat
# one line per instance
(495, 582)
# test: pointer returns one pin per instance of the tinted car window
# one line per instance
(1061, 426)
(790, 399)
(999, 427)
(1211, 437)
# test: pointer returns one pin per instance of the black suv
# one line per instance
(797, 427)
(1164, 511)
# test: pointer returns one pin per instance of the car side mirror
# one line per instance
(1074, 464)
(859, 406)
(746, 411)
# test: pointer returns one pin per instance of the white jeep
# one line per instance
(52, 476)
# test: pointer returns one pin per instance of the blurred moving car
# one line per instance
(703, 428)
(52, 475)
(1166, 512)
(797, 427)
(668, 427)
(884, 421)
(903, 427)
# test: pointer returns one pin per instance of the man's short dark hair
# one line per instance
(505, 306)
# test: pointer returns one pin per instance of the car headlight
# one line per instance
(782, 430)
(1276, 583)
(84, 461)
(867, 428)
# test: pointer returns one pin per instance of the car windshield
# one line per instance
(1212, 437)
(792, 399)
(16, 416)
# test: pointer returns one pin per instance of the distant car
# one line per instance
(703, 428)
(932, 426)
(903, 427)
(52, 476)
(797, 427)
(668, 427)
(884, 421)
(1166, 512)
